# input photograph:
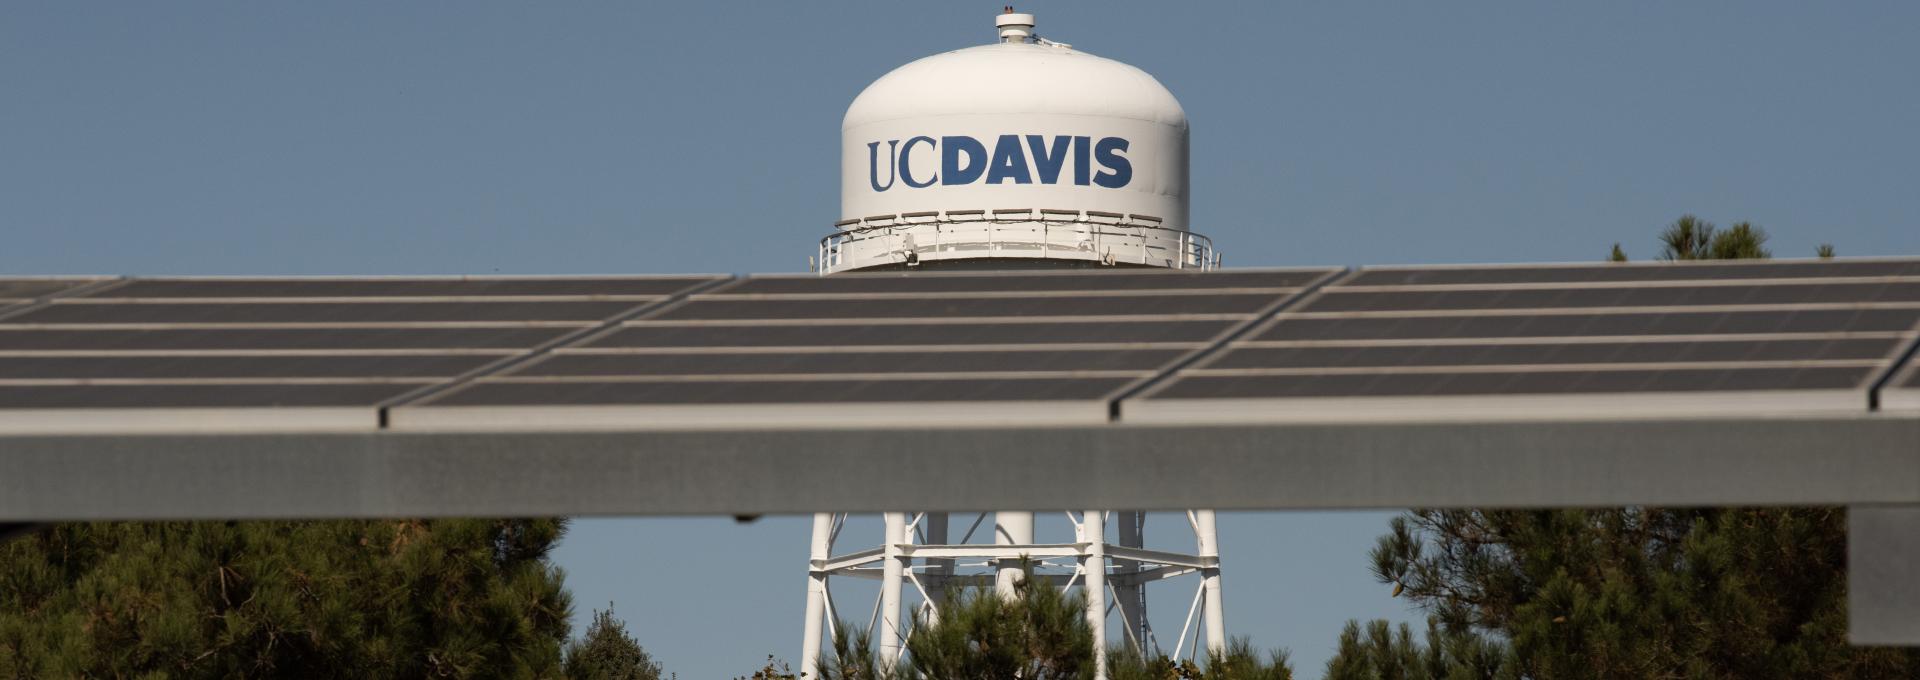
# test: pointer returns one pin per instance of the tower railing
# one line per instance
(1106, 238)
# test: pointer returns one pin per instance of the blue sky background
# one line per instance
(496, 137)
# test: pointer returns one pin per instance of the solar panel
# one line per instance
(1501, 342)
(1634, 272)
(896, 333)
(906, 349)
(26, 290)
(18, 295)
(325, 353)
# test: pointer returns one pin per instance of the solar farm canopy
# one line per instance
(978, 349)
(1567, 385)
(1699, 383)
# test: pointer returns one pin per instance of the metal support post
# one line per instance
(816, 594)
(1093, 565)
(940, 568)
(1133, 607)
(1010, 528)
(1209, 549)
(893, 572)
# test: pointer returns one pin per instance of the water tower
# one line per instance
(1023, 153)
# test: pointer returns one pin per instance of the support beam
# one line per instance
(891, 626)
(1216, 621)
(1883, 574)
(1767, 461)
(816, 594)
(1093, 566)
(940, 567)
(1010, 528)
(1133, 606)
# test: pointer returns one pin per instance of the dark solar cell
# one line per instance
(1575, 353)
(1646, 272)
(322, 312)
(276, 338)
(853, 334)
(996, 282)
(779, 392)
(1123, 305)
(1494, 383)
(192, 396)
(261, 288)
(33, 288)
(150, 367)
(1564, 325)
(843, 362)
(1662, 296)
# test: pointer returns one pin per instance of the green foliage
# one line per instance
(1381, 652)
(1039, 634)
(774, 670)
(1825, 251)
(1640, 592)
(1691, 238)
(368, 599)
(1742, 241)
(607, 652)
(1617, 255)
(1240, 662)
(1688, 238)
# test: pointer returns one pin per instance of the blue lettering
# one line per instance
(950, 150)
(1082, 163)
(873, 164)
(1049, 163)
(906, 164)
(1009, 162)
(1108, 153)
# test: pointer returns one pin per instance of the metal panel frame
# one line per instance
(1824, 460)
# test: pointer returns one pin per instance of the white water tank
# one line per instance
(1022, 149)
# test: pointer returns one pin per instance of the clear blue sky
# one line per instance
(474, 138)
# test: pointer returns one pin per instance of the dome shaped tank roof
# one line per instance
(1015, 78)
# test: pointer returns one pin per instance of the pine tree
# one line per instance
(607, 652)
(369, 599)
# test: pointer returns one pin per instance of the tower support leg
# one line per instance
(1010, 528)
(816, 594)
(1216, 623)
(1093, 564)
(940, 569)
(1133, 607)
(893, 574)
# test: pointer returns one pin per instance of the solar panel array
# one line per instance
(321, 353)
(902, 350)
(909, 350)
(1646, 339)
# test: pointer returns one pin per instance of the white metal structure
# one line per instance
(932, 156)
(1024, 148)
(916, 554)
(1047, 233)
